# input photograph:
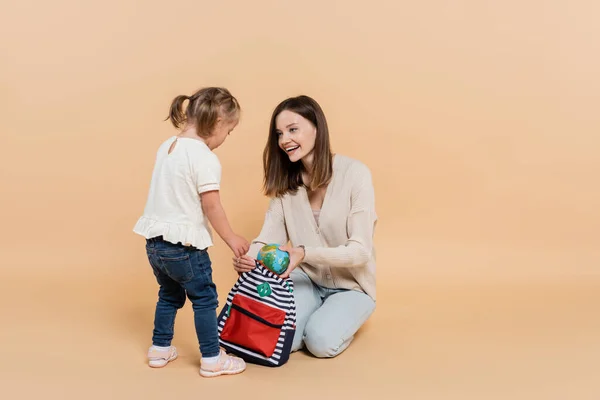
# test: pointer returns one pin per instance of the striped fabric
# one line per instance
(258, 321)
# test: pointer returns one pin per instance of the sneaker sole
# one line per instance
(208, 374)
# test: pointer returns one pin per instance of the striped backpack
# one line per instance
(258, 320)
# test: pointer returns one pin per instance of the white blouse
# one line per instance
(173, 209)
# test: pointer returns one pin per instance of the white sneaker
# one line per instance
(160, 358)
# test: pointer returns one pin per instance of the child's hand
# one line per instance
(238, 245)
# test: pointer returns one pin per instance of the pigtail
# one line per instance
(177, 114)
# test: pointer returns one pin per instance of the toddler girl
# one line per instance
(182, 201)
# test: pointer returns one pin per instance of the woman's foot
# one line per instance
(158, 357)
(224, 365)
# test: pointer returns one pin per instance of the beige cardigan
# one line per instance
(339, 248)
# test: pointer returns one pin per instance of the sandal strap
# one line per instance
(157, 354)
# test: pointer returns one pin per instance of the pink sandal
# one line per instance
(158, 359)
(226, 365)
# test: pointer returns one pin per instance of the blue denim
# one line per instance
(184, 271)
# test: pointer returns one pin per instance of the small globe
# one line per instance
(275, 260)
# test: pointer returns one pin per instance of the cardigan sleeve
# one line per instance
(357, 250)
(273, 229)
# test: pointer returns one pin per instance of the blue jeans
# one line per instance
(183, 271)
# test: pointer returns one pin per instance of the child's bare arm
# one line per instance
(211, 205)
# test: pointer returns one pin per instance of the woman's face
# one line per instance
(296, 136)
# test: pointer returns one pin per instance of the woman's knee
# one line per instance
(322, 345)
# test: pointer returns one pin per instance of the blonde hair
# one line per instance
(204, 108)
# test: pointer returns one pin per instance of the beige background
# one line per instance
(479, 120)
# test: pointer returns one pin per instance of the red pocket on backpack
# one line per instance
(253, 325)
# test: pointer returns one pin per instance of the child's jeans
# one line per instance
(184, 271)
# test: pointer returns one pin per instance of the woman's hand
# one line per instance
(244, 263)
(296, 257)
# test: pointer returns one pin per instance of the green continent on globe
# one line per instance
(269, 258)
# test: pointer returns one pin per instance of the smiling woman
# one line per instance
(324, 205)
(299, 128)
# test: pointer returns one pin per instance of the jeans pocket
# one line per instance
(177, 266)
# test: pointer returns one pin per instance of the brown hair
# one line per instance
(204, 108)
(281, 176)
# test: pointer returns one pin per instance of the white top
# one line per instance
(173, 208)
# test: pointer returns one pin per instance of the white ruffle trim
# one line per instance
(199, 237)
